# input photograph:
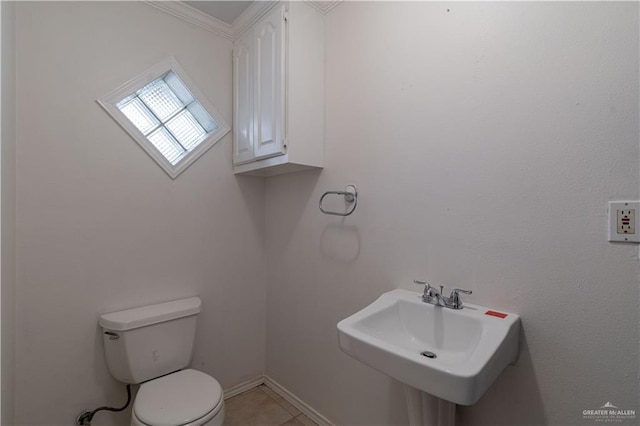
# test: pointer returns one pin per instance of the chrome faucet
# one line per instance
(432, 296)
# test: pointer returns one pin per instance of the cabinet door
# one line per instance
(269, 86)
(243, 101)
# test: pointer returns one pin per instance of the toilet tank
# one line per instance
(143, 343)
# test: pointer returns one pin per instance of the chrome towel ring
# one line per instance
(350, 196)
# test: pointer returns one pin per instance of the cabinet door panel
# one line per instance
(243, 134)
(269, 86)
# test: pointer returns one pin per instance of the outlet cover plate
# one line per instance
(619, 210)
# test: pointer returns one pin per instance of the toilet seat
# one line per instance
(187, 397)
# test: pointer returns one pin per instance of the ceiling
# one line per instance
(225, 11)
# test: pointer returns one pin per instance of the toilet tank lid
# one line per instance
(152, 314)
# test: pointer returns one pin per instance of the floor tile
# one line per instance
(254, 408)
(305, 420)
(280, 400)
(293, 422)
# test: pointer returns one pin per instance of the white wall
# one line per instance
(8, 225)
(485, 140)
(101, 227)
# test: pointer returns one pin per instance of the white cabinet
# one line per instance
(268, 105)
(242, 102)
(278, 86)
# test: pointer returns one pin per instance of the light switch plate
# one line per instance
(623, 221)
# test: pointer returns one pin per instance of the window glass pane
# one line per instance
(203, 117)
(160, 99)
(138, 114)
(178, 87)
(164, 142)
(186, 130)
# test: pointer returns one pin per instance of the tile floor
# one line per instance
(262, 407)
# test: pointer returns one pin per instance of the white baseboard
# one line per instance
(243, 387)
(304, 408)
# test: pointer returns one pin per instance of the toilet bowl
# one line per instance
(151, 346)
(185, 398)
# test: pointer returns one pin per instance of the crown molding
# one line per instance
(259, 8)
(323, 7)
(192, 15)
(250, 16)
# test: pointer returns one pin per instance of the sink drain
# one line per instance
(428, 354)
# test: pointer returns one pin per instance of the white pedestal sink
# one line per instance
(427, 410)
(444, 356)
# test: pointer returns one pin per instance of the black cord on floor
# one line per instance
(85, 418)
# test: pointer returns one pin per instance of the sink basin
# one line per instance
(398, 335)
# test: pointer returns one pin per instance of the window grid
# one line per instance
(160, 99)
(188, 129)
(190, 133)
(161, 135)
(167, 145)
(163, 123)
(139, 115)
(160, 143)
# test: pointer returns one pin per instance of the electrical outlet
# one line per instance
(622, 221)
(626, 223)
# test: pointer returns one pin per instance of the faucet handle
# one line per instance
(428, 292)
(426, 285)
(454, 299)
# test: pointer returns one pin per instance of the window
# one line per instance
(167, 115)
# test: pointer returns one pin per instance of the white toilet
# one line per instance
(151, 345)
